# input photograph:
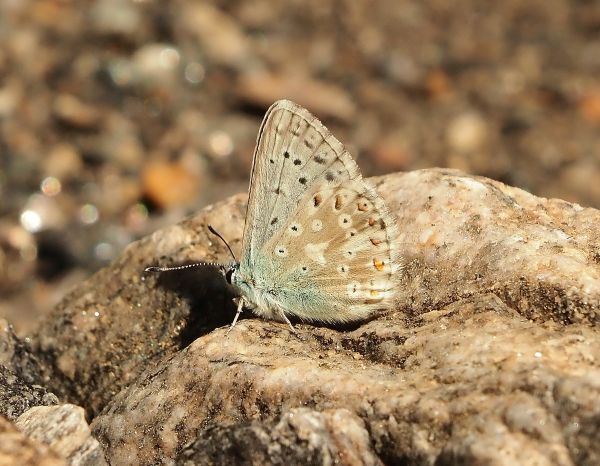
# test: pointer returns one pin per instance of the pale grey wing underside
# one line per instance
(294, 152)
(336, 260)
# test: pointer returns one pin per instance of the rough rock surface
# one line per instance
(491, 356)
(301, 436)
(463, 235)
(16, 356)
(16, 396)
(19, 450)
(65, 429)
(19, 373)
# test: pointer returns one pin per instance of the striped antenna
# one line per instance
(181, 267)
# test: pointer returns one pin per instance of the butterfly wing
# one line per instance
(294, 152)
(335, 260)
(319, 242)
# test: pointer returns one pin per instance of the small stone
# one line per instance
(466, 132)
(169, 184)
(63, 161)
(589, 106)
(392, 152)
(155, 65)
(324, 100)
(65, 430)
(17, 449)
(217, 33)
(70, 110)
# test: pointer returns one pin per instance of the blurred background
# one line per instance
(118, 117)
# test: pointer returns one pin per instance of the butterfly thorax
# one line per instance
(258, 292)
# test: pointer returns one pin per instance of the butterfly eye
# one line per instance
(229, 275)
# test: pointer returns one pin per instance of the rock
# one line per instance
(16, 396)
(65, 429)
(589, 106)
(155, 65)
(169, 184)
(18, 251)
(325, 100)
(218, 34)
(116, 17)
(391, 153)
(490, 356)
(464, 235)
(16, 449)
(456, 384)
(71, 111)
(17, 360)
(63, 161)
(466, 132)
(302, 436)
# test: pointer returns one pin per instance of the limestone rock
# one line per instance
(491, 355)
(16, 449)
(16, 396)
(19, 377)
(464, 235)
(302, 436)
(65, 429)
(15, 355)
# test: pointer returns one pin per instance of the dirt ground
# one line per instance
(118, 117)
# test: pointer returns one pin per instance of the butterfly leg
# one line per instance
(237, 314)
(288, 322)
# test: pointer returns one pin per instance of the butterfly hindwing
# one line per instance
(335, 260)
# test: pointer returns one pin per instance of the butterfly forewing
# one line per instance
(294, 152)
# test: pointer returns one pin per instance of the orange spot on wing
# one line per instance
(378, 264)
(375, 241)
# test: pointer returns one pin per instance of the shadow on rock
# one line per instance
(209, 297)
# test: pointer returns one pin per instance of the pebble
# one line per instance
(466, 132)
(169, 184)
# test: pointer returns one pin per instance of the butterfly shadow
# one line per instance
(341, 327)
(208, 295)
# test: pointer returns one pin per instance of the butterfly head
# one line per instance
(229, 271)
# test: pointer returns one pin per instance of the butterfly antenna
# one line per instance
(214, 232)
(182, 267)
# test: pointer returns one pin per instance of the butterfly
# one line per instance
(319, 243)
